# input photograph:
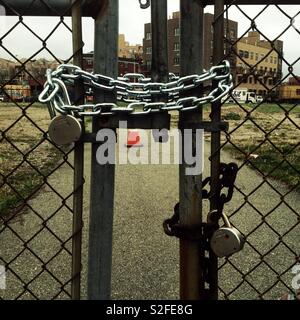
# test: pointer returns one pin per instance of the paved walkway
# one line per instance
(145, 260)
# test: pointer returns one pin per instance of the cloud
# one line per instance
(270, 20)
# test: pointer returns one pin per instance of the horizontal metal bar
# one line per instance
(90, 8)
(253, 2)
(207, 126)
(147, 121)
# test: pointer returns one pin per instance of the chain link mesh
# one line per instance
(36, 251)
(264, 137)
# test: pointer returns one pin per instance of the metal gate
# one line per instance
(262, 138)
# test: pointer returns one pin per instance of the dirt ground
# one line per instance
(25, 155)
(145, 261)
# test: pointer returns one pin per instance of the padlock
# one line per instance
(226, 240)
(65, 129)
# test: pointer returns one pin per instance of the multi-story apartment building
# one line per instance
(174, 42)
(126, 50)
(266, 63)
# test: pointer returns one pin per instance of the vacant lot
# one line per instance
(25, 156)
(145, 196)
(266, 137)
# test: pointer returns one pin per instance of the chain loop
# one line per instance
(134, 89)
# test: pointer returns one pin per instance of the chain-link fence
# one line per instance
(264, 116)
(37, 252)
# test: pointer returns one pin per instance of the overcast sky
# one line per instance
(23, 44)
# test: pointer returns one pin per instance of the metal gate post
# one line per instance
(218, 54)
(190, 197)
(102, 176)
(159, 28)
(78, 159)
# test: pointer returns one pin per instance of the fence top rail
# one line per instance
(254, 2)
(90, 8)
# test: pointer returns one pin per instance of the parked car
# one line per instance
(1, 98)
(259, 98)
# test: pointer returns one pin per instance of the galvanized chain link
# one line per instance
(132, 88)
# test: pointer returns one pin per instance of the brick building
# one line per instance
(127, 50)
(125, 65)
(267, 63)
(174, 42)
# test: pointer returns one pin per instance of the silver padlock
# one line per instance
(226, 240)
(64, 129)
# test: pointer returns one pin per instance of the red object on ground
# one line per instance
(133, 139)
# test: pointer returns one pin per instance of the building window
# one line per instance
(241, 53)
(148, 64)
(298, 92)
(149, 50)
(232, 34)
(89, 62)
(148, 36)
(177, 32)
(262, 56)
(271, 59)
(250, 79)
(246, 54)
(176, 46)
(256, 56)
(267, 59)
(176, 61)
(270, 82)
(275, 60)
(251, 55)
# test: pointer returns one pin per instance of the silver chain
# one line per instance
(134, 89)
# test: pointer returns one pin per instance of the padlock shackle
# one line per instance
(226, 220)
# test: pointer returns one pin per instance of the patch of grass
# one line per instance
(26, 181)
(276, 108)
(232, 116)
(269, 158)
(14, 169)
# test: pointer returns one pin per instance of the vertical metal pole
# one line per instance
(191, 62)
(159, 26)
(78, 160)
(218, 54)
(102, 176)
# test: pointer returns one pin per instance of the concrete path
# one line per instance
(145, 260)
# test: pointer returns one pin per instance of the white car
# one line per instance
(259, 99)
(1, 98)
